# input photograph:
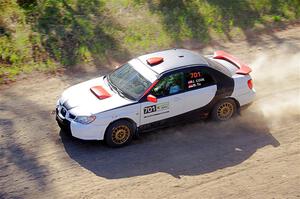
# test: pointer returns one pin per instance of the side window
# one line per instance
(169, 85)
(198, 78)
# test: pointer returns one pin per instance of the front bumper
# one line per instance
(64, 124)
(80, 131)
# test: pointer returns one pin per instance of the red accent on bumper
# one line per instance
(100, 92)
(243, 68)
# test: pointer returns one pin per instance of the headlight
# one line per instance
(85, 119)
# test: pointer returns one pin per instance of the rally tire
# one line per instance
(224, 110)
(119, 133)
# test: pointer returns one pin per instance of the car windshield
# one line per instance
(128, 82)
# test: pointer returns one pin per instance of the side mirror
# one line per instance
(151, 98)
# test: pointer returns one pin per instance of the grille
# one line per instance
(63, 112)
(72, 116)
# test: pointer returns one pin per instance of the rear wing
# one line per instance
(242, 68)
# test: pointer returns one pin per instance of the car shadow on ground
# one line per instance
(189, 149)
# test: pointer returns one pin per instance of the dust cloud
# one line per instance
(276, 76)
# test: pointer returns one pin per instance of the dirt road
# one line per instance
(256, 155)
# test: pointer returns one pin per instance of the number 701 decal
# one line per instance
(157, 107)
(149, 109)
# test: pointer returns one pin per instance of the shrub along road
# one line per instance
(253, 155)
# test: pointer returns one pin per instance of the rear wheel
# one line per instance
(224, 110)
(119, 133)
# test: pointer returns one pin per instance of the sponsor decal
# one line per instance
(157, 108)
(194, 75)
(195, 80)
(195, 83)
(150, 109)
(162, 106)
(156, 114)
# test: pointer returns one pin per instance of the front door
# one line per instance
(179, 93)
(169, 92)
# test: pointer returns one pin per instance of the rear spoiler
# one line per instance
(242, 68)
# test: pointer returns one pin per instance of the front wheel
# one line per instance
(224, 110)
(119, 133)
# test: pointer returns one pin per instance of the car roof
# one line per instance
(172, 59)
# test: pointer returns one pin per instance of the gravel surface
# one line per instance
(255, 155)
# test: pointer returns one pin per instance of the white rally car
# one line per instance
(155, 90)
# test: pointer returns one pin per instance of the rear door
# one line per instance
(201, 88)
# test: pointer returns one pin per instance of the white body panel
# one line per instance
(164, 108)
(116, 107)
(84, 103)
(88, 132)
(174, 105)
(80, 101)
(96, 129)
(198, 98)
(242, 93)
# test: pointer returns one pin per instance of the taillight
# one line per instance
(250, 83)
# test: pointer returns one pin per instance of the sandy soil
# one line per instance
(256, 155)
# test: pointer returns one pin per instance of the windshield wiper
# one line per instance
(108, 83)
(115, 88)
(120, 92)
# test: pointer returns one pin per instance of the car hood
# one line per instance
(80, 100)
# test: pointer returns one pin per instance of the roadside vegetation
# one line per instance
(47, 34)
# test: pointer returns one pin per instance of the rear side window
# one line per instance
(198, 78)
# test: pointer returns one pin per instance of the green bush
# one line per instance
(43, 34)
